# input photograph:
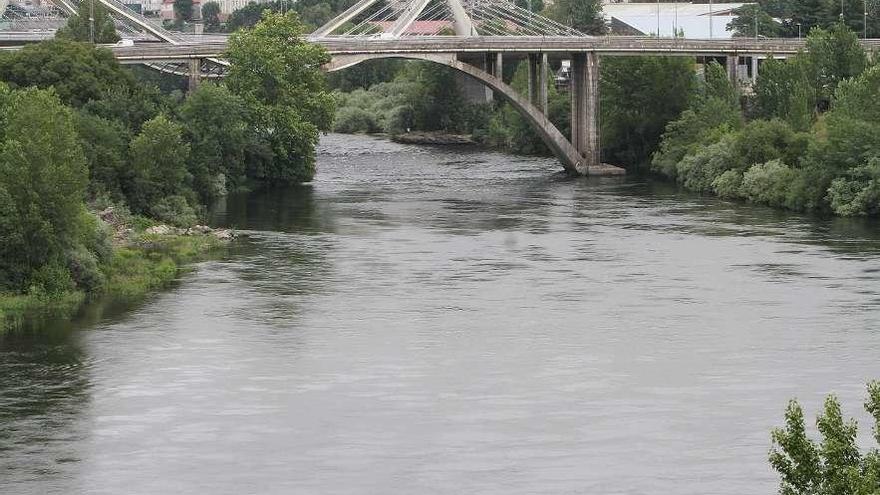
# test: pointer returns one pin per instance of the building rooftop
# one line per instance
(692, 18)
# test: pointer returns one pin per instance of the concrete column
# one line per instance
(534, 78)
(754, 69)
(543, 73)
(538, 80)
(585, 106)
(195, 74)
(731, 62)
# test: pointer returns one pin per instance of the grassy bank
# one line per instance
(148, 263)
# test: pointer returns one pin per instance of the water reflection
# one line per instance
(44, 383)
(450, 320)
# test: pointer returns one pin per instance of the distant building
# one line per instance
(229, 6)
(694, 20)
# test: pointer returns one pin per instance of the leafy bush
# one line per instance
(858, 193)
(768, 183)
(354, 119)
(400, 119)
(834, 465)
(728, 184)
(174, 210)
(84, 269)
(698, 171)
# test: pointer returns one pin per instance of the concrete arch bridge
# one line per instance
(473, 37)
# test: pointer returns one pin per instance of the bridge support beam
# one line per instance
(495, 65)
(585, 108)
(538, 80)
(731, 62)
(195, 74)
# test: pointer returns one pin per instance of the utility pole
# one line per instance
(658, 18)
(756, 21)
(92, 21)
(710, 19)
(865, 36)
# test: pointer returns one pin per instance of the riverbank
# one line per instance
(142, 261)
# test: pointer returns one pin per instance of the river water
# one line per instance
(423, 320)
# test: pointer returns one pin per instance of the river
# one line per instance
(427, 321)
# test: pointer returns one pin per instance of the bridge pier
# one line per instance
(538, 80)
(731, 63)
(495, 65)
(585, 108)
(195, 74)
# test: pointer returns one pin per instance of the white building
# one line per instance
(695, 20)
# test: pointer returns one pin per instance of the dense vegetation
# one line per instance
(792, 18)
(79, 133)
(809, 142)
(833, 466)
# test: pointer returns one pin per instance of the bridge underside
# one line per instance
(580, 155)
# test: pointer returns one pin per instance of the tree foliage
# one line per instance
(834, 465)
(78, 28)
(584, 15)
(278, 75)
(78, 72)
(43, 178)
(183, 10)
(639, 96)
(211, 16)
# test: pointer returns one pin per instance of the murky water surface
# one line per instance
(427, 321)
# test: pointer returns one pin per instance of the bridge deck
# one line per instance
(604, 45)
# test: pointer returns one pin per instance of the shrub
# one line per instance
(84, 269)
(400, 119)
(354, 119)
(174, 210)
(768, 183)
(698, 171)
(858, 193)
(728, 184)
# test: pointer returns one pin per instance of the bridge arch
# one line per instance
(555, 140)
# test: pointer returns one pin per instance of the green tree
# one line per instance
(834, 55)
(43, 180)
(743, 25)
(786, 90)
(217, 126)
(278, 74)
(834, 466)
(105, 145)
(211, 16)
(159, 165)
(713, 112)
(78, 29)
(183, 10)
(639, 96)
(79, 72)
(795, 456)
(248, 16)
(583, 15)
